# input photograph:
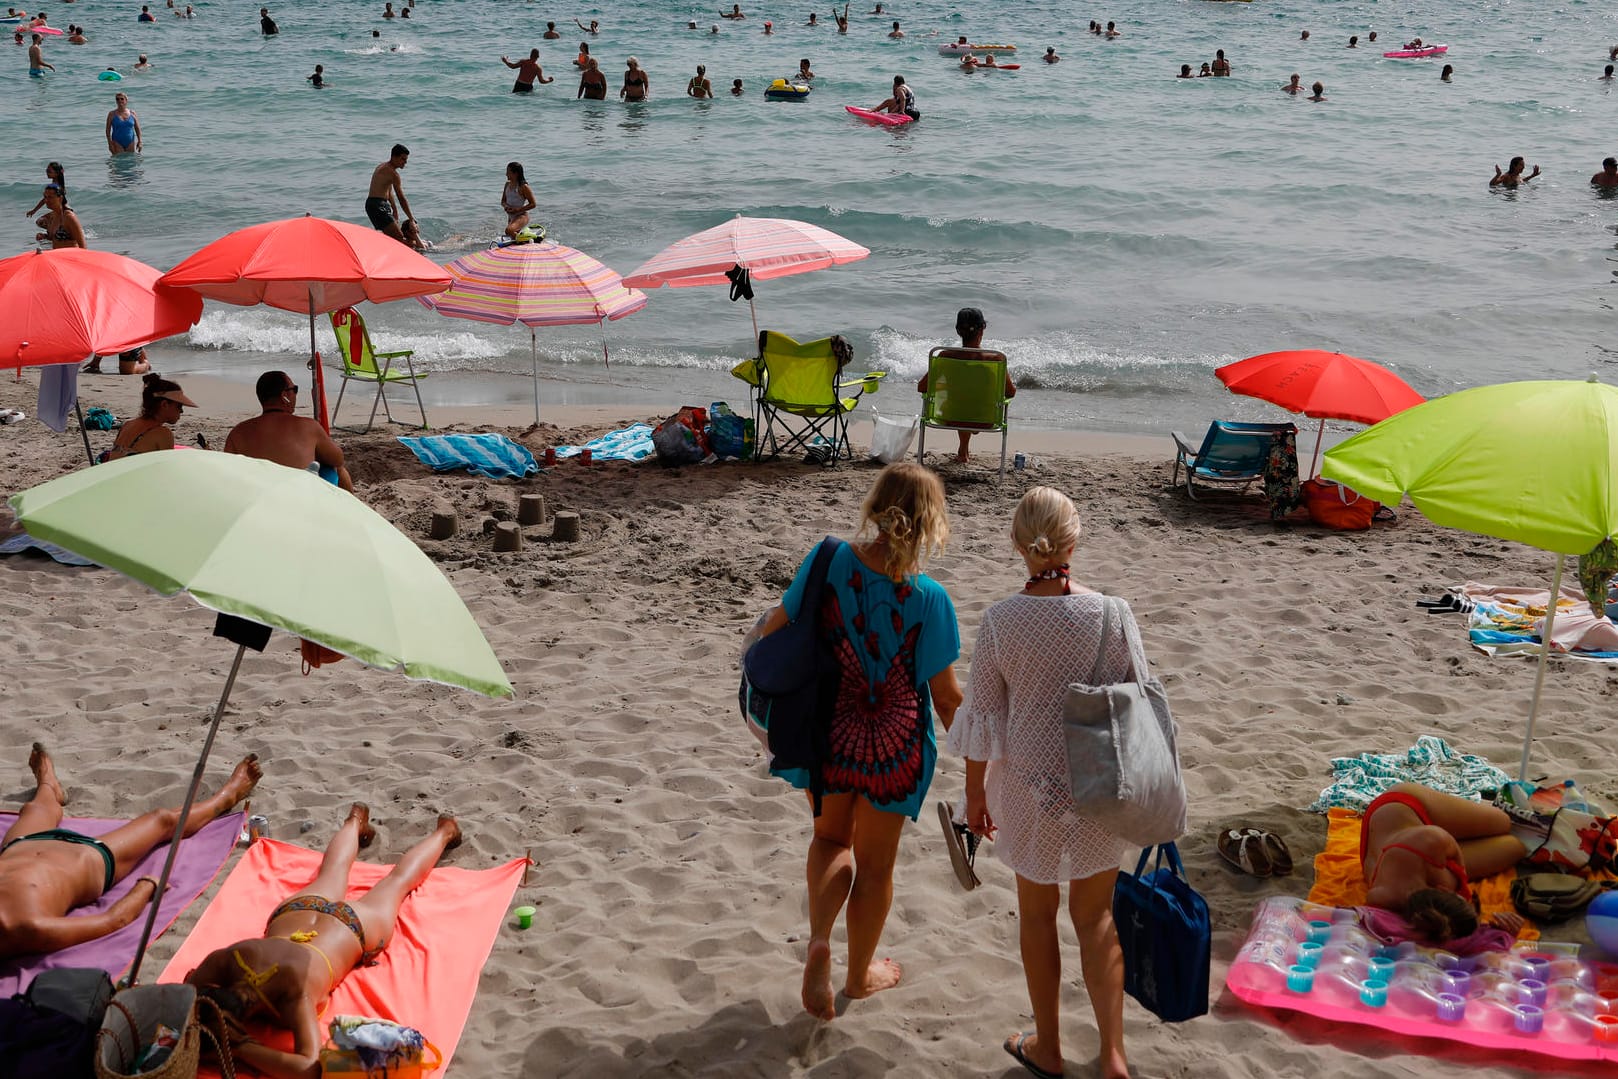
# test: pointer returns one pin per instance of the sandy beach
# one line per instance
(669, 884)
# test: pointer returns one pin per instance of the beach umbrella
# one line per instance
(66, 305)
(1533, 462)
(536, 284)
(308, 264)
(1321, 385)
(744, 248)
(277, 547)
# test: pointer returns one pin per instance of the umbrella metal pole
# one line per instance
(317, 406)
(185, 813)
(533, 357)
(84, 434)
(1314, 463)
(1544, 658)
(754, 311)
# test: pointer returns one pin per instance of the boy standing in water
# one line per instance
(385, 185)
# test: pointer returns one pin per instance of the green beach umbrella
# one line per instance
(1533, 462)
(274, 545)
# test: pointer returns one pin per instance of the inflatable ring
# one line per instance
(110, 76)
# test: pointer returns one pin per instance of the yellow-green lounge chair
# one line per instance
(966, 391)
(360, 363)
(803, 381)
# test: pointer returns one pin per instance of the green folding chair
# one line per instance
(800, 395)
(966, 391)
(360, 364)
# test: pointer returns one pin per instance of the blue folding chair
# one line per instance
(1231, 454)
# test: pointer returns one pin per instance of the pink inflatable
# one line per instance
(887, 119)
(1318, 960)
(1417, 54)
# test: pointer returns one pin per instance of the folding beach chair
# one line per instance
(1231, 454)
(966, 391)
(802, 381)
(360, 363)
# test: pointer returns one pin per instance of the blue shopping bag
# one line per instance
(1163, 928)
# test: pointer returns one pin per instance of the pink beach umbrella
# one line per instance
(536, 284)
(764, 247)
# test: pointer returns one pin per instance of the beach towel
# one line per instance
(58, 391)
(1510, 622)
(201, 857)
(491, 455)
(1357, 781)
(633, 443)
(22, 541)
(1340, 882)
(429, 973)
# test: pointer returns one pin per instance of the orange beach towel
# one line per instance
(429, 974)
(1340, 882)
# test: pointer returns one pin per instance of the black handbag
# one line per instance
(1167, 941)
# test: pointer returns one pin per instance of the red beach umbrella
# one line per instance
(308, 264)
(1321, 385)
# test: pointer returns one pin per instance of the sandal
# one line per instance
(1014, 1045)
(1280, 856)
(1244, 848)
(963, 848)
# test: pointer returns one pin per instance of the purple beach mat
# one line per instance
(201, 858)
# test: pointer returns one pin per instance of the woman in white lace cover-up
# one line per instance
(1029, 648)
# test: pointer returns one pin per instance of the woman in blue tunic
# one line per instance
(892, 630)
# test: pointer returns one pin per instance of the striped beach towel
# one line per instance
(22, 541)
(491, 455)
(632, 443)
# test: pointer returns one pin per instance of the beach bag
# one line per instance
(100, 419)
(154, 1031)
(1331, 505)
(1552, 897)
(1123, 762)
(891, 436)
(788, 683)
(682, 439)
(1164, 931)
(727, 436)
(315, 655)
(364, 1048)
(49, 1032)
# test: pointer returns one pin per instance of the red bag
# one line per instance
(316, 655)
(1332, 505)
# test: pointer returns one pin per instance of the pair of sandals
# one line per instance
(1254, 851)
(11, 415)
(963, 848)
(1448, 603)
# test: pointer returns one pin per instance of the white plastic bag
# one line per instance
(891, 436)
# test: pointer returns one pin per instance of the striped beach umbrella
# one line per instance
(764, 247)
(536, 284)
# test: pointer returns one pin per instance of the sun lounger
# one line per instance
(1231, 454)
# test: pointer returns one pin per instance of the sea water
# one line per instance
(1124, 232)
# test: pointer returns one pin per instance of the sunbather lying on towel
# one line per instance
(1420, 850)
(46, 871)
(311, 942)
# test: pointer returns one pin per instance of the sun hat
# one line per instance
(177, 397)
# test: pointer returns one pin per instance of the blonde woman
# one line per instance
(1029, 648)
(892, 630)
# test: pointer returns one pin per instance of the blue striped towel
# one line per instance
(633, 443)
(491, 455)
(22, 541)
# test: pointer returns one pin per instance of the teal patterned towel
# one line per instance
(1356, 781)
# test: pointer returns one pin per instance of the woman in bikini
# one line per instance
(310, 943)
(516, 200)
(161, 404)
(1420, 850)
(59, 224)
(637, 85)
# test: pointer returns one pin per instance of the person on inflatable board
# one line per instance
(962, 40)
(902, 101)
(1318, 92)
(988, 60)
(1446, 74)
(516, 199)
(969, 324)
(47, 870)
(1605, 76)
(1607, 178)
(266, 25)
(1295, 86)
(279, 434)
(1421, 849)
(528, 72)
(896, 33)
(386, 184)
(593, 28)
(1513, 175)
(312, 940)
(1050, 56)
(592, 83)
(1221, 66)
(698, 85)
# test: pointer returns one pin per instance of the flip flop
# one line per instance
(1280, 856)
(1244, 848)
(1014, 1046)
(963, 848)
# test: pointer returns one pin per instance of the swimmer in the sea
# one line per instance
(1050, 56)
(1605, 76)
(813, 20)
(842, 20)
(714, 29)
(36, 58)
(1318, 92)
(266, 25)
(896, 33)
(637, 84)
(1372, 38)
(592, 83)
(1354, 42)
(318, 79)
(876, 11)
(593, 28)
(1607, 178)
(143, 64)
(1113, 31)
(528, 72)
(1295, 86)
(736, 88)
(1205, 72)
(1513, 176)
(804, 74)
(1221, 66)
(1445, 75)
(735, 12)
(769, 27)
(698, 85)
(582, 61)
(1304, 36)
(969, 62)
(551, 32)
(1185, 72)
(387, 11)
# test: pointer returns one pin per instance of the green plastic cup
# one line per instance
(525, 917)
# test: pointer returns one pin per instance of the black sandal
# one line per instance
(963, 848)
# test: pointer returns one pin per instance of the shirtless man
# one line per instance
(896, 33)
(1513, 176)
(551, 32)
(36, 58)
(385, 184)
(593, 28)
(266, 25)
(592, 84)
(1295, 86)
(1607, 178)
(46, 871)
(528, 72)
(735, 12)
(282, 436)
(310, 943)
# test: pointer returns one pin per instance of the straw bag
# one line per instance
(129, 1030)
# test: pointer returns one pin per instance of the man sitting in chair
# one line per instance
(970, 325)
(282, 436)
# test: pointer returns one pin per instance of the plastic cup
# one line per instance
(1530, 1019)
(1532, 991)
(1300, 979)
(1606, 1029)
(585, 455)
(1309, 954)
(550, 456)
(1451, 1007)
(525, 917)
(1374, 993)
(1319, 932)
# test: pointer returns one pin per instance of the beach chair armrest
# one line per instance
(869, 382)
(1187, 451)
(394, 355)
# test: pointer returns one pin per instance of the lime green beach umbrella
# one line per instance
(276, 546)
(1533, 462)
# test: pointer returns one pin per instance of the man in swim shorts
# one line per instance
(528, 72)
(279, 434)
(36, 58)
(310, 943)
(1607, 178)
(266, 25)
(46, 870)
(385, 182)
(592, 84)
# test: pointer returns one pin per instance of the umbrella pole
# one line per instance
(1544, 658)
(185, 812)
(78, 408)
(533, 357)
(1314, 464)
(754, 311)
(317, 406)
(606, 359)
